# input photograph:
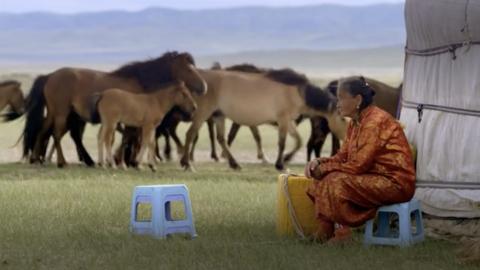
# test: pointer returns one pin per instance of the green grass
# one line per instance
(77, 218)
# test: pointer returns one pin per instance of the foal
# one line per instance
(145, 111)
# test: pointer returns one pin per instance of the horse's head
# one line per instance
(318, 101)
(183, 69)
(13, 97)
(184, 99)
(17, 100)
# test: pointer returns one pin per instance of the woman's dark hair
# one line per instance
(358, 86)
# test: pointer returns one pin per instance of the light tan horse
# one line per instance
(278, 96)
(11, 95)
(67, 92)
(145, 111)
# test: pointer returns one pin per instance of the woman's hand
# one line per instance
(310, 167)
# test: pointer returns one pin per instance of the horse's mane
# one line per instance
(317, 98)
(314, 96)
(9, 82)
(250, 68)
(332, 87)
(152, 73)
(287, 76)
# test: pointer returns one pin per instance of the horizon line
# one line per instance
(195, 9)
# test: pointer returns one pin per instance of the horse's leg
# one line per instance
(189, 137)
(42, 140)
(320, 138)
(292, 130)
(258, 141)
(159, 132)
(234, 128)
(211, 135)
(60, 128)
(167, 151)
(192, 151)
(119, 156)
(108, 140)
(143, 146)
(100, 144)
(77, 128)
(158, 157)
(220, 124)
(282, 136)
(150, 137)
(172, 132)
(335, 144)
(50, 152)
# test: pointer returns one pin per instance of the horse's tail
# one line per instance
(34, 107)
(93, 106)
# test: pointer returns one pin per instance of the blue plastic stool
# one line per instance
(405, 235)
(161, 223)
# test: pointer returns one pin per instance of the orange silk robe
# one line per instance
(374, 167)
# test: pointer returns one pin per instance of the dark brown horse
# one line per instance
(386, 97)
(66, 94)
(11, 95)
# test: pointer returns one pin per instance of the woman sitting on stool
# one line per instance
(374, 166)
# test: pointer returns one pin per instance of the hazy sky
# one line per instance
(72, 6)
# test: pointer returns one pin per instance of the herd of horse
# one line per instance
(148, 99)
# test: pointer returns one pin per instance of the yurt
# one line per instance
(441, 104)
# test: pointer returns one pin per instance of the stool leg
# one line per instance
(419, 235)
(405, 228)
(368, 236)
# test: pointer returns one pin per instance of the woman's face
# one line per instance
(347, 104)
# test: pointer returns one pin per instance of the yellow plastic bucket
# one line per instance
(295, 210)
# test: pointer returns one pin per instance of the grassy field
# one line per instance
(77, 218)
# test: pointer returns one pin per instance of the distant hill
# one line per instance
(121, 36)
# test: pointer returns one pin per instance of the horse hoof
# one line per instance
(152, 167)
(235, 166)
(184, 162)
(89, 163)
(61, 165)
(279, 166)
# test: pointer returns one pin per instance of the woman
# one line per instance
(373, 167)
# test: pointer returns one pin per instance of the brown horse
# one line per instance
(386, 97)
(145, 111)
(278, 96)
(67, 95)
(11, 95)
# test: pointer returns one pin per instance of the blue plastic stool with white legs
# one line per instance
(405, 235)
(161, 223)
